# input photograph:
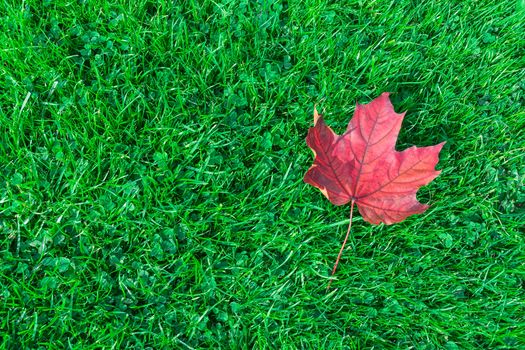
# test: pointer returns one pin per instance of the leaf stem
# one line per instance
(343, 246)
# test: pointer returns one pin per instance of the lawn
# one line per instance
(152, 157)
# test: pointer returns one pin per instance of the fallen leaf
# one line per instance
(362, 166)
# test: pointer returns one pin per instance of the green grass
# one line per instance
(151, 164)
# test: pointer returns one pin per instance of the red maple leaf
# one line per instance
(362, 166)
